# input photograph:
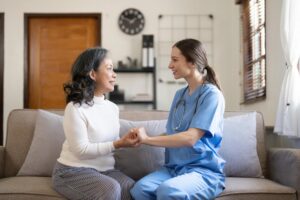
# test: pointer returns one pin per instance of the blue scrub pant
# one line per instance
(162, 185)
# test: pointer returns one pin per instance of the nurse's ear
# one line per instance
(191, 65)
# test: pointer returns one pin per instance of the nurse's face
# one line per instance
(180, 67)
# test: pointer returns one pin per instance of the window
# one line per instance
(254, 49)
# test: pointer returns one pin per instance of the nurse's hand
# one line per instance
(142, 135)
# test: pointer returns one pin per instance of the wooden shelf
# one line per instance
(133, 102)
(135, 70)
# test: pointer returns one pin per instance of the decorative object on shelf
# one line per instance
(121, 65)
(131, 63)
(117, 95)
(148, 51)
(131, 21)
(149, 71)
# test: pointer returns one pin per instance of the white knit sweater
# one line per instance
(90, 132)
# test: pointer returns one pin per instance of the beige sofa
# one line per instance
(281, 166)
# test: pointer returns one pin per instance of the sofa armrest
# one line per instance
(284, 167)
(2, 149)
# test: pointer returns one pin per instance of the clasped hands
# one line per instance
(134, 137)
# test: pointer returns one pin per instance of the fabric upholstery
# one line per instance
(46, 145)
(22, 133)
(238, 146)
(284, 166)
(138, 162)
(255, 188)
(19, 135)
(260, 137)
(20, 128)
(29, 186)
(236, 189)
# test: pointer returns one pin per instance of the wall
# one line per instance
(120, 44)
(227, 55)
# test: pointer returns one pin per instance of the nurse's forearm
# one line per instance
(186, 138)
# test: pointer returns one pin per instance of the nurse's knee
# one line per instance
(166, 192)
(138, 190)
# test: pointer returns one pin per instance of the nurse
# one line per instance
(193, 168)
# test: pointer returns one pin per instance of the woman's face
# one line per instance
(105, 77)
(180, 67)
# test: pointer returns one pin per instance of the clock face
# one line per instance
(131, 21)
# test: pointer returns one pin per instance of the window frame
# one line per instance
(254, 89)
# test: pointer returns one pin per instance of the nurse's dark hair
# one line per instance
(194, 52)
(80, 89)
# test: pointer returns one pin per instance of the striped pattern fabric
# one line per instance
(89, 184)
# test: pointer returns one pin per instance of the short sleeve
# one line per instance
(209, 114)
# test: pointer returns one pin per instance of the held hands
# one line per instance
(142, 135)
(134, 138)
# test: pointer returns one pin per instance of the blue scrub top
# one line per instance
(203, 109)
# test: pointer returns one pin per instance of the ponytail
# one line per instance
(211, 76)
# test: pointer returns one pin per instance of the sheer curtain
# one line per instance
(288, 113)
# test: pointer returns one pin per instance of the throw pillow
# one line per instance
(45, 146)
(239, 146)
(138, 162)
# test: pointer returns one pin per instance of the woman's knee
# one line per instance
(112, 191)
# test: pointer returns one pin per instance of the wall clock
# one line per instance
(131, 21)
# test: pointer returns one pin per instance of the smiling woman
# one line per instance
(85, 167)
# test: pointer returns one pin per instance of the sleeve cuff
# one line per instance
(112, 147)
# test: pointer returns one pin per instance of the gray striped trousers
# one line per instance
(89, 184)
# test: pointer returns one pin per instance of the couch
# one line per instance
(280, 167)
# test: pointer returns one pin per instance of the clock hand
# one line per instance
(133, 20)
(127, 19)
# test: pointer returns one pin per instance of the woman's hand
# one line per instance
(130, 139)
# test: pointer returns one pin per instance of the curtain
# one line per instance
(288, 113)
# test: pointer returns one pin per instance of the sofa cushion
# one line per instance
(138, 162)
(255, 188)
(239, 146)
(46, 145)
(27, 188)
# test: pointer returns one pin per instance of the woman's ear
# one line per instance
(92, 75)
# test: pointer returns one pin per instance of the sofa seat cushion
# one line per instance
(255, 188)
(29, 187)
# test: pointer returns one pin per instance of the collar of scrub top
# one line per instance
(182, 101)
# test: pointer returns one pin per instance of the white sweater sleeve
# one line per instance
(75, 128)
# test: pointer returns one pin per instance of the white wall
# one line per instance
(227, 60)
